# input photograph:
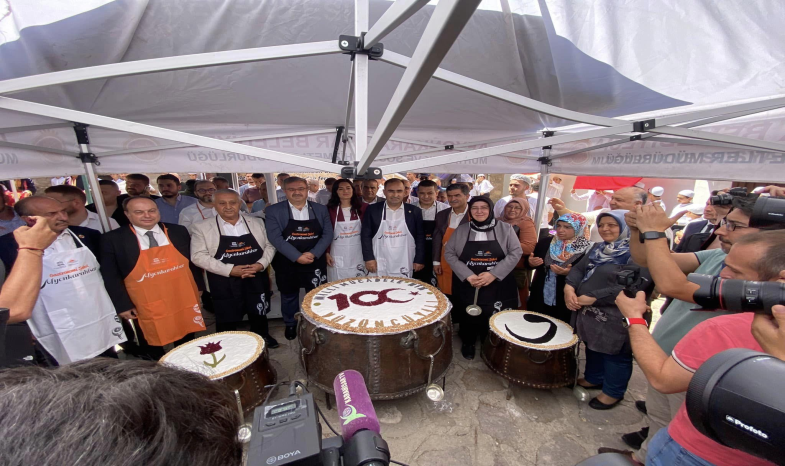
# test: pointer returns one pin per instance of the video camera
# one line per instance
(632, 281)
(736, 295)
(288, 432)
(723, 198)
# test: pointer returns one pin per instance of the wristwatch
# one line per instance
(635, 320)
(651, 235)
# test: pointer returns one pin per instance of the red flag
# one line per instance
(604, 182)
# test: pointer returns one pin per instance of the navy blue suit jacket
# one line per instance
(91, 238)
(373, 218)
(277, 217)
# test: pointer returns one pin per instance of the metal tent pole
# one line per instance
(544, 180)
(89, 159)
(361, 20)
(272, 198)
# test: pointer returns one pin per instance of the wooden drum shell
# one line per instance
(250, 382)
(393, 366)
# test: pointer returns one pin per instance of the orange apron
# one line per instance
(165, 295)
(445, 279)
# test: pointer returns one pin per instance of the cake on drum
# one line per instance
(239, 360)
(396, 332)
(531, 349)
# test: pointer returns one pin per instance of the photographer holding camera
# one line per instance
(757, 256)
(669, 274)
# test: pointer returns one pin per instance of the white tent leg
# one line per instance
(447, 22)
(14, 190)
(348, 116)
(270, 183)
(361, 20)
(92, 180)
(396, 14)
(544, 181)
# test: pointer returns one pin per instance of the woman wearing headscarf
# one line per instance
(345, 255)
(553, 258)
(590, 290)
(482, 254)
(516, 213)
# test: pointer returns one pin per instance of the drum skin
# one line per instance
(250, 382)
(393, 366)
(529, 367)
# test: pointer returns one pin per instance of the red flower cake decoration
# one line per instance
(211, 349)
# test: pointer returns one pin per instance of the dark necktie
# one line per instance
(153, 242)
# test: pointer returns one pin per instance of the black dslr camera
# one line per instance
(736, 295)
(632, 281)
(727, 198)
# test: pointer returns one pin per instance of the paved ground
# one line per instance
(485, 421)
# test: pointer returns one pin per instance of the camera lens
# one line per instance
(767, 211)
(736, 295)
(705, 296)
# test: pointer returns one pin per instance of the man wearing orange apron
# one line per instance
(446, 223)
(150, 278)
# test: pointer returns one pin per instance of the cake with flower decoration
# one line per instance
(217, 355)
(375, 305)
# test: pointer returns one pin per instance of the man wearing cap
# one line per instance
(519, 184)
(685, 202)
(655, 196)
(482, 187)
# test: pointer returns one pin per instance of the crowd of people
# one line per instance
(203, 254)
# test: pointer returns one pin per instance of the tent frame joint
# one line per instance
(545, 160)
(449, 147)
(81, 133)
(88, 157)
(636, 137)
(644, 126)
(353, 45)
(547, 134)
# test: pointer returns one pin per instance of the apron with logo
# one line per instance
(393, 247)
(234, 296)
(291, 276)
(346, 249)
(74, 318)
(482, 256)
(426, 274)
(164, 293)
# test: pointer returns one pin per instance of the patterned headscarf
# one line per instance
(615, 252)
(561, 250)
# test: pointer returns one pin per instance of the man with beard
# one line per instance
(136, 184)
(73, 317)
(150, 278)
(301, 232)
(172, 202)
(234, 250)
(74, 200)
(201, 210)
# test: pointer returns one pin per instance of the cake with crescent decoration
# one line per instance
(375, 305)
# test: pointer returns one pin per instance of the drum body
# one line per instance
(238, 360)
(531, 349)
(396, 357)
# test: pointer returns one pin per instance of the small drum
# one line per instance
(396, 332)
(531, 349)
(239, 360)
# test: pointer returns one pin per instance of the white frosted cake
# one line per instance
(216, 355)
(533, 330)
(375, 305)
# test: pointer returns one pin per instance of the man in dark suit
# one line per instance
(150, 277)
(446, 222)
(392, 235)
(301, 232)
(114, 208)
(73, 317)
(369, 190)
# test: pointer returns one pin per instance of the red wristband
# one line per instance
(633, 321)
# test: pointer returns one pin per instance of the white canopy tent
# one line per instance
(234, 86)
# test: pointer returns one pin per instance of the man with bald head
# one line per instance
(149, 276)
(73, 317)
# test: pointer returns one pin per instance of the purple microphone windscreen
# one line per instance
(354, 404)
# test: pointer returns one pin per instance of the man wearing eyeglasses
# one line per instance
(203, 208)
(669, 271)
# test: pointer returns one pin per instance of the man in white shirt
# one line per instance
(313, 188)
(546, 215)
(430, 207)
(482, 186)
(324, 194)
(203, 208)
(408, 198)
(60, 180)
(555, 188)
(446, 223)
(519, 184)
(594, 199)
(685, 202)
(74, 201)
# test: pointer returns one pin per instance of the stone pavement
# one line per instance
(484, 420)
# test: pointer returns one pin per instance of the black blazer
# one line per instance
(120, 252)
(440, 228)
(118, 214)
(373, 218)
(91, 238)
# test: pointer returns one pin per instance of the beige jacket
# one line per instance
(204, 244)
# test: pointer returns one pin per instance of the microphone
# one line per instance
(354, 404)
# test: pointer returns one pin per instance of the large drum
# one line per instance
(239, 360)
(396, 332)
(531, 349)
